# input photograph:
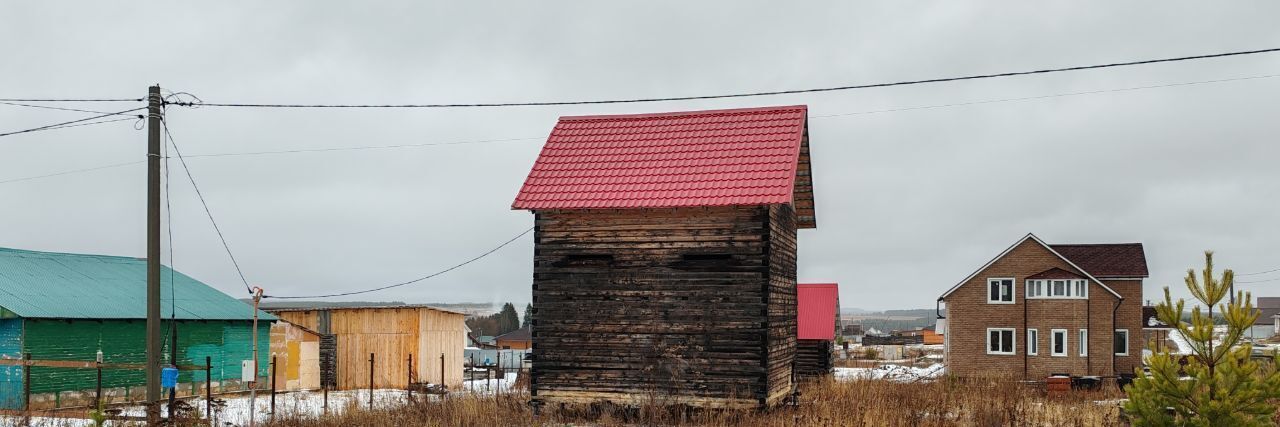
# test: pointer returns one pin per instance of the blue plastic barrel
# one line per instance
(169, 377)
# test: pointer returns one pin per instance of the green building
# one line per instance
(69, 307)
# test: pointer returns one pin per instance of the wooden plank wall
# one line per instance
(442, 333)
(813, 358)
(782, 302)
(671, 303)
(391, 334)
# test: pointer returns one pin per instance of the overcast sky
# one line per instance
(909, 202)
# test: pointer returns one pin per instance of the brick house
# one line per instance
(1027, 312)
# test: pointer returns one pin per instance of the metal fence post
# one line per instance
(274, 372)
(208, 388)
(97, 389)
(26, 382)
(409, 385)
(370, 380)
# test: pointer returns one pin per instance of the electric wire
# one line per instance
(64, 124)
(429, 276)
(168, 213)
(1259, 281)
(1056, 95)
(165, 125)
(734, 95)
(1258, 272)
(431, 144)
(72, 100)
(16, 104)
(69, 172)
(366, 147)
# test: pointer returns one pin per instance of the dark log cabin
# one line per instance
(818, 319)
(665, 257)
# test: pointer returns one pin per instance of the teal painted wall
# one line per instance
(124, 341)
(11, 376)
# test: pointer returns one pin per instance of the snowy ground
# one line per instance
(894, 373)
(236, 412)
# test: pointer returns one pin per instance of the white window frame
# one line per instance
(1013, 290)
(1033, 342)
(1043, 289)
(1126, 342)
(1084, 342)
(1013, 341)
(1053, 336)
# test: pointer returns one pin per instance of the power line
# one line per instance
(1056, 95)
(431, 144)
(135, 119)
(71, 100)
(64, 124)
(115, 165)
(1257, 273)
(737, 95)
(1259, 281)
(16, 104)
(367, 147)
(455, 267)
(172, 142)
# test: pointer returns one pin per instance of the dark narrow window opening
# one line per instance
(707, 257)
(585, 260)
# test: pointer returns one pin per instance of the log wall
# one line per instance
(813, 358)
(692, 306)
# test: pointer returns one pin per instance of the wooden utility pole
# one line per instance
(253, 385)
(154, 112)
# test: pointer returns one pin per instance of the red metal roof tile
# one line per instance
(699, 158)
(816, 310)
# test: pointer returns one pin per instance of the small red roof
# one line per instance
(748, 156)
(817, 305)
(1107, 260)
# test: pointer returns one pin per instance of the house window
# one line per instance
(1035, 288)
(1058, 342)
(1033, 342)
(1057, 288)
(1000, 291)
(1120, 344)
(1084, 342)
(1000, 341)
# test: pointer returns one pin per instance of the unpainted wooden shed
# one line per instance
(433, 336)
(665, 256)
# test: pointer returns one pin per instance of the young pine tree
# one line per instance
(1222, 386)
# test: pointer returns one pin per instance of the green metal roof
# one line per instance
(73, 286)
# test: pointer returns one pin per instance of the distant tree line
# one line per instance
(499, 323)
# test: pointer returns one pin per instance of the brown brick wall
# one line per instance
(969, 315)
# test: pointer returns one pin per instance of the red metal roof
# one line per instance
(1107, 260)
(698, 158)
(817, 305)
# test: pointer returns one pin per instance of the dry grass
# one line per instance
(948, 402)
